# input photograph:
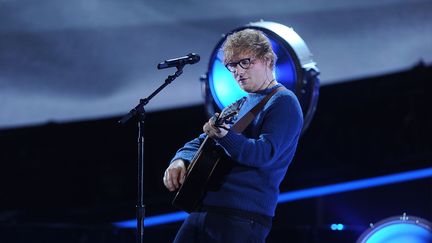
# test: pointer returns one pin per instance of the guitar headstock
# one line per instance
(229, 112)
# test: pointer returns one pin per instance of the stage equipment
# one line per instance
(139, 113)
(398, 229)
(294, 68)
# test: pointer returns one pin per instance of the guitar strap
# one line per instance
(241, 124)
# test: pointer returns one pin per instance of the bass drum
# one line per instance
(398, 229)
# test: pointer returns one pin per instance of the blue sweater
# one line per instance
(261, 154)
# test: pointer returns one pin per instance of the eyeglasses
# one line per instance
(244, 63)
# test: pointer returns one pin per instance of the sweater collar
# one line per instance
(265, 91)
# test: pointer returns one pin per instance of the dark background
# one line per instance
(67, 182)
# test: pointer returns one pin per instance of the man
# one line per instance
(241, 210)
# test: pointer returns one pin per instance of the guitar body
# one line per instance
(207, 168)
(204, 173)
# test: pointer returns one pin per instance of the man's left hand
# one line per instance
(215, 132)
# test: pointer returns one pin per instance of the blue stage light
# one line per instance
(294, 68)
(355, 185)
(154, 220)
(337, 227)
(405, 229)
(301, 194)
(225, 91)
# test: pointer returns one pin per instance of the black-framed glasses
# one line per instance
(244, 63)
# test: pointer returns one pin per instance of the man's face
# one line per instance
(252, 78)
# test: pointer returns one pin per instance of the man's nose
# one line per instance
(239, 70)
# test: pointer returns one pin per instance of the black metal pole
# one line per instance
(139, 112)
(140, 207)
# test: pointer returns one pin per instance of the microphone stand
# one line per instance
(139, 113)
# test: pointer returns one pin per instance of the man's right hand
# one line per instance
(174, 175)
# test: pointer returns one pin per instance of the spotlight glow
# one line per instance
(405, 229)
(301, 194)
(294, 69)
(337, 227)
(224, 88)
(401, 233)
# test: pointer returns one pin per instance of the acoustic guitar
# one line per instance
(206, 169)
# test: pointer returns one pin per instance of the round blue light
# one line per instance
(333, 226)
(405, 229)
(224, 87)
(401, 233)
(337, 227)
(294, 69)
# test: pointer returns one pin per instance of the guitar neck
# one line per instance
(205, 142)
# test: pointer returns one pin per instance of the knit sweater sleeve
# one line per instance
(280, 130)
(188, 151)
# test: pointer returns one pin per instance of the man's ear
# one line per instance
(267, 60)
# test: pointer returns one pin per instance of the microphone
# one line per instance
(191, 58)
